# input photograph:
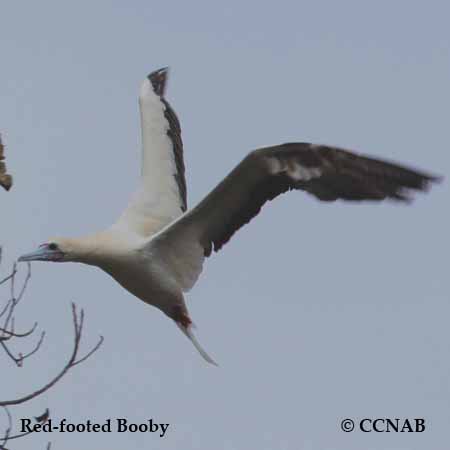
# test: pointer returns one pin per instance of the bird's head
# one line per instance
(56, 250)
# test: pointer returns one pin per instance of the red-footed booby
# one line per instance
(156, 249)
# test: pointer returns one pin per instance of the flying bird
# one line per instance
(157, 247)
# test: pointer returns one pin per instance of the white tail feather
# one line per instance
(187, 331)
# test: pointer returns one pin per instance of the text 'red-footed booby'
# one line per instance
(156, 248)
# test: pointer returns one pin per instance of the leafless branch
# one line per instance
(8, 333)
(7, 437)
(73, 361)
(78, 322)
(7, 328)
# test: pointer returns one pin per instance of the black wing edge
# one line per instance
(158, 79)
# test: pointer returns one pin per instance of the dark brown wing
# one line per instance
(328, 173)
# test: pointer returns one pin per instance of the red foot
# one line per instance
(181, 317)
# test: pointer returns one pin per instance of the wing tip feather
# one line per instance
(158, 79)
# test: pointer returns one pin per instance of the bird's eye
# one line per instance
(52, 246)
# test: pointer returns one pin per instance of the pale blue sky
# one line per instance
(314, 312)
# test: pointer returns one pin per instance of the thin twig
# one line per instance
(36, 347)
(7, 330)
(8, 429)
(45, 417)
(8, 333)
(78, 327)
(13, 334)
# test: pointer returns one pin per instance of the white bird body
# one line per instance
(157, 248)
(142, 274)
(131, 260)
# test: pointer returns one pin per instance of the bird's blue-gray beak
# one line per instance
(43, 253)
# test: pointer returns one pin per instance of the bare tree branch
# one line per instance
(7, 437)
(8, 429)
(7, 328)
(78, 322)
(78, 329)
(8, 333)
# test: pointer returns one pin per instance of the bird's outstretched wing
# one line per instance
(328, 173)
(161, 195)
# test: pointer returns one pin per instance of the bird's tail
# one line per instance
(187, 330)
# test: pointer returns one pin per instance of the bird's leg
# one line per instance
(181, 316)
